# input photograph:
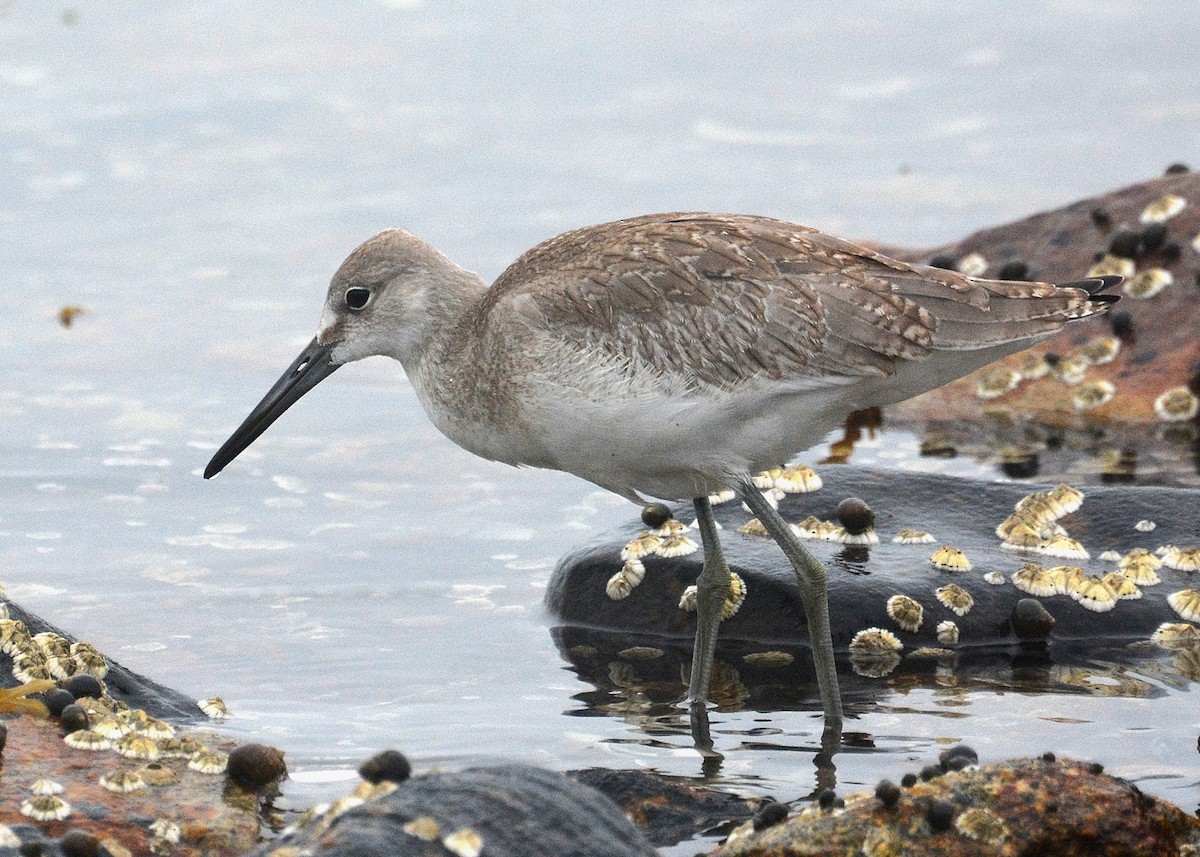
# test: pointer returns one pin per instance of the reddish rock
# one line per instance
(210, 823)
(1024, 807)
(1159, 353)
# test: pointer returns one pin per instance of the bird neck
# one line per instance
(463, 374)
(433, 317)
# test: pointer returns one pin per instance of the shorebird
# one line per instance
(670, 356)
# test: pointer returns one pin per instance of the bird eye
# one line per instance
(357, 297)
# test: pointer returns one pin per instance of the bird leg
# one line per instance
(712, 588)
(814, 598)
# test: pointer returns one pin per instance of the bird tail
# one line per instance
(1019, 311)
(1095, 286)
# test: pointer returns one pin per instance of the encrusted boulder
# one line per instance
(1041, 807)
(512, 810)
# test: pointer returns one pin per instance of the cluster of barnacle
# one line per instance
(44, 656)
(975, 822)
(1071, 369)
(1125, 250)
(45, 803)
(875, 652)
(952, 796)
(1127, 246)
(664, 536)
(101, 723)
(667, 537)
(1034, 528)
(94, 721)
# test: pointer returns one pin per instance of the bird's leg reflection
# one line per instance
(702, 737)
(831, 742)
(712, 760)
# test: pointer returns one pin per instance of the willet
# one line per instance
(670, 356)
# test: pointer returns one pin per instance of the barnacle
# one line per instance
(955, 598)
(905, 612)
(950, 559)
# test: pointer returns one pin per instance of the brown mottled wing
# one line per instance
(725, 300)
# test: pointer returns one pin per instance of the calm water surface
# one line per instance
(190, 174)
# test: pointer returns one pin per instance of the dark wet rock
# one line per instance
(887, 793)
(940, 815)
(855, 516)
(770, 814)
(655, 515)
(1125, 244)
(83, 685)
(667, 811)
(959, 751)
(963, 514)
(1122, 324)
(509, 810)
(121, 684)
(1014, 270)
(76, 843)
(1152, 239)
(1019, 807)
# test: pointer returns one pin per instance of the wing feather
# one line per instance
(720, 302)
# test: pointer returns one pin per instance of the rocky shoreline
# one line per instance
(142, 774)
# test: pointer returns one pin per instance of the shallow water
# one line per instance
(190, 175)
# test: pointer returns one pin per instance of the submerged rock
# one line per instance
(667, 811)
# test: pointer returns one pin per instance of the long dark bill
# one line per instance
(306, 371)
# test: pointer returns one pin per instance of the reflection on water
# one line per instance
(637, 677)
(768, 708)
(1004, 448)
